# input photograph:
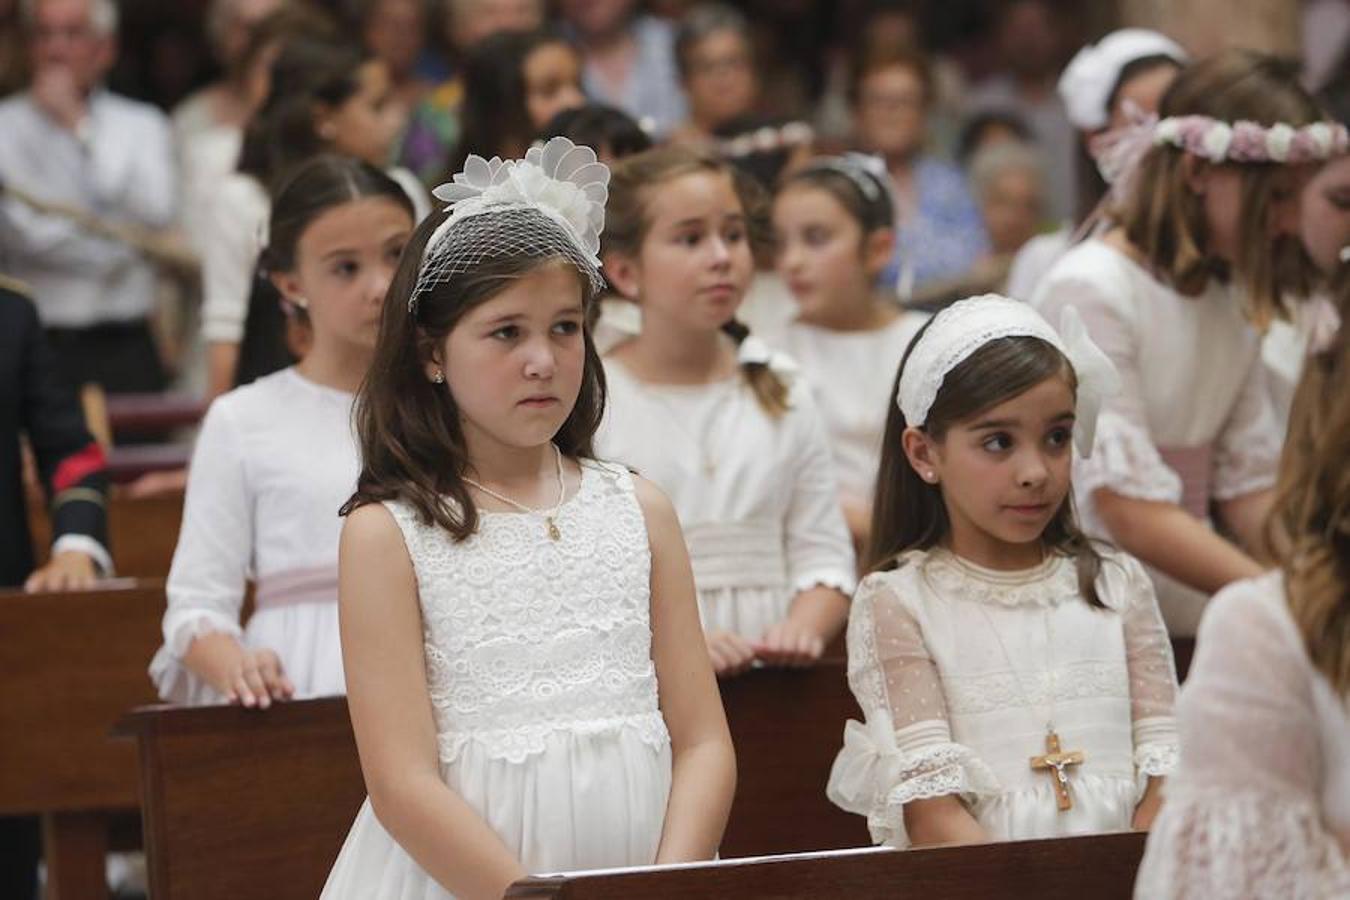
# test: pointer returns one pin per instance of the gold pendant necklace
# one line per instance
(551, 516)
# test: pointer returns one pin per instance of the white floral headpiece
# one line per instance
(550, 202)
(866, 171)
(1120, 152)
(967, 325)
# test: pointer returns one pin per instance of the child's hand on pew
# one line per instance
(731, 654)
(790, 643)
(247, 677)
(69, 570)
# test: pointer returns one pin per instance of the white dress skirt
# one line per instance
(543, 690)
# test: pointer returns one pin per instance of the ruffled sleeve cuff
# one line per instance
(174, 681)
(879, 770)
(1215, 843)
(841, 580)
(1156, 748)
(1125, 462)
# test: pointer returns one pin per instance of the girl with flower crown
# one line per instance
(1016, 678)
(1201, 251)
(718, 421)
(834, 226)
(524, 671)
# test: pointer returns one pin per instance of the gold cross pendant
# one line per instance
(1056, 762)
(553, 532)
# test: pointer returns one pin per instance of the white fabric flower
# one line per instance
(1322, 137)
(1168, 131)
(1216, 141)
(1279, 138)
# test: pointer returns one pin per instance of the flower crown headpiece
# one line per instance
(552, 202)
(967, 325)
(1119, 153)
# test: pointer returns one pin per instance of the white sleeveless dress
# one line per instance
(538, 658)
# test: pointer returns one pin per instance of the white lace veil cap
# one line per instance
(967, 325)
(551, 203)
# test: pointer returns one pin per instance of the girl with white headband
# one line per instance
(834, 224)
(1016, 679)
(1200, 251)
(526, 678)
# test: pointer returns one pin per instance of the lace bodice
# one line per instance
(525, 636)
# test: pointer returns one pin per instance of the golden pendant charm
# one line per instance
(553, 533)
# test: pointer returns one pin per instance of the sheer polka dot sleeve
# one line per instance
(904, 750)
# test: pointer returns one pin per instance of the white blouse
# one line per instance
(852, 375)
(273, 463)
(959, 669)
(1193, 422)
(755, 493)
(1260, 804)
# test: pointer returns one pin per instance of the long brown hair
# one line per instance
(908, 513)
(1166, 220)
(412, 443)
(1310, 523)
(626, 226)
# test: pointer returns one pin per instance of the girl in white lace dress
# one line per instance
(525, 676)
(1260, 804)
(834, 227)
(719, 422)
(1195, 258)
(276, 459)
(1017, 681)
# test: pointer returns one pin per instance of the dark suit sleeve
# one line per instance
(70, 463)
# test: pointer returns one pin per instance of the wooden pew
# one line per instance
(152, 415)
(233, 795)
(787, 725)
(143, 532)
(1101, 867)
(244, 802)
(71, 664)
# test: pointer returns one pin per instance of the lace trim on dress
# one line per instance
(1155, 760)
(515, 745)
(1125, 461)
(1213, 843)
(1049, 584)
(872, 777)
(972, 695)
(174, 681)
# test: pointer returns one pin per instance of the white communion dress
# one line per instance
(1194, 421)
(755, 493)
(958, 669)
(1260, 804)
(541, 681)
(274, 462)
(852, 377)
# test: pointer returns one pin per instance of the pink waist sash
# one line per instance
(296, 586)
(1193, 465)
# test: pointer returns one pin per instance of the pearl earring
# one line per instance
(930, 476)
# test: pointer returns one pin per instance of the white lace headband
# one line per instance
(967, 325)
(865, 172)
(552, 202)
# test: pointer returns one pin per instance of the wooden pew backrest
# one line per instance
(787, 725)
(245, 803)
(72, 664)
(1101, 867)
